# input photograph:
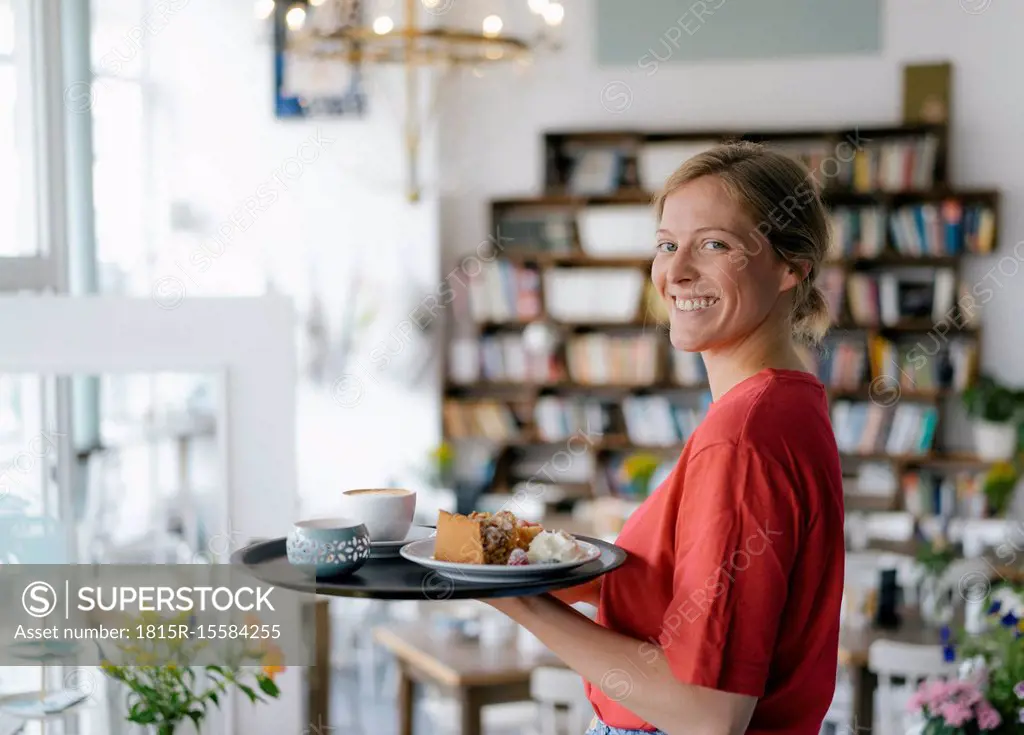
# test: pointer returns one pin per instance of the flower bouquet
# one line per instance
(165, 688)
(950, 707)
(989, 695)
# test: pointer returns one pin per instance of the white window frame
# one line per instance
(38, 62)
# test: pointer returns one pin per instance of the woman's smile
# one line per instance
(695, 305)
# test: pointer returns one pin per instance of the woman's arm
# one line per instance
(632, 672)
(589, 593)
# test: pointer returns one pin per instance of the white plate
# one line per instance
(388, 549)
(422, 553)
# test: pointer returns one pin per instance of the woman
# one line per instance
(725, 618)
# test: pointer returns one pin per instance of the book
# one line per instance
(927, 93)
(505, 292)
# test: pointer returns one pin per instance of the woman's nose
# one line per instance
(682, 267)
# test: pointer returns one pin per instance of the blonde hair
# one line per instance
(780, 195)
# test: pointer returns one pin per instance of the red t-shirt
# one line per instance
(736, 561)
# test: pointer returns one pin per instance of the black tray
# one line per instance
(400, 579)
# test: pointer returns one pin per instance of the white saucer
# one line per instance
(389, 549)
(422, 553)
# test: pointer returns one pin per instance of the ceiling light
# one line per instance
(295, 17)
(553, 14)
(492, 26)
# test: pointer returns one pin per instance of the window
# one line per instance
(15, 189)
(120, 121)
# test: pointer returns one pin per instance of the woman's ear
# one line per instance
(796, 273)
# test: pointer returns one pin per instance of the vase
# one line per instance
(935, 602)
(995, 442)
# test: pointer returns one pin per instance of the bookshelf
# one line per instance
(607, 375)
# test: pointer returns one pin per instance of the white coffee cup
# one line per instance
(387, 513)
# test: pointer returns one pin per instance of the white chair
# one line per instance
(911, 663)
(562, 703)
(511, 718)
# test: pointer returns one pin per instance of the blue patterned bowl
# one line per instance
(333, 547)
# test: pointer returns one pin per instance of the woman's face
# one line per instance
(718, 276)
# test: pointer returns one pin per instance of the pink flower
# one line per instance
(954, 713)
(988, 718)
(930, 694)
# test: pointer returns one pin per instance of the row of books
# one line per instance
(858, 232)
(866, 428)
(956, 495)
(892, 297)
(655, 421)
(503, 291)
(904, 164)
(504, 358)
(558, 419)
(480, 419)
(893, 164)
(596, 359)
(842, 363)
(947, 229)
(929, 364)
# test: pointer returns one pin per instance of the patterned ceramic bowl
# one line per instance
(331, 546)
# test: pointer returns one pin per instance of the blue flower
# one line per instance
(994, 607)
(1009, 620)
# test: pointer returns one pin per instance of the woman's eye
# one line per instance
(667, 247)
(715, 245)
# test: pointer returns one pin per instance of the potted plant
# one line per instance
(1000, 482)
(988, 695)
(996, 411)
(166, 688)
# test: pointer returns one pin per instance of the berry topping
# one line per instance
(518, 558)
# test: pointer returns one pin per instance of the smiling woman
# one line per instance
(715, 258)
(725, 616)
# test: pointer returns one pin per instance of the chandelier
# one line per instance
(413, 35)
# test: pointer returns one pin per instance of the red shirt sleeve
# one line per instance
(736, 537)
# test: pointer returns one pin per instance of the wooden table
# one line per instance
(853, 653)
(477, 674)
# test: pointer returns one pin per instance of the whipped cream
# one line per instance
(554, 546)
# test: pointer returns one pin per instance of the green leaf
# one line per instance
(268, 686)
(214, 699)
(248, 691)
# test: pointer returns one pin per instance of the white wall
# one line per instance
(491, 138)
(217, 144)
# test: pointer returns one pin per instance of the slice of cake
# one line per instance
(479, 538)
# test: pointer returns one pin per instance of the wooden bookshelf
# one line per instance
(539, 233)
